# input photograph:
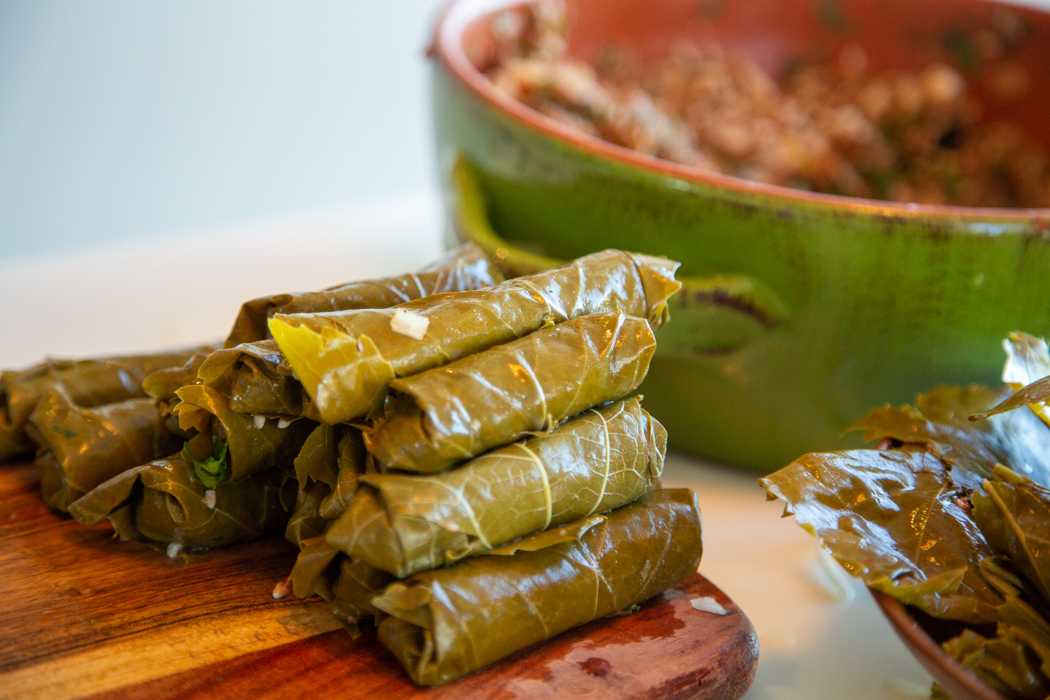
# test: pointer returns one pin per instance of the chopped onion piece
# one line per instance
(282, 423)
(260, 422)
(174, 549)
(708, 605)
(410, 324)
(209, 499)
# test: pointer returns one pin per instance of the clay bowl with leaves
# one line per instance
(800, 311)
(947, 521)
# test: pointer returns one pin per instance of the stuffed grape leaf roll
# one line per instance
(256, 379)
(432, 420)
(88, 383)
(243, 446)
(346, 359)
(600, 460)
(83, 447)
(349, 585)
(327, 469)
(446, 623)
(462, 268)
(164, 501)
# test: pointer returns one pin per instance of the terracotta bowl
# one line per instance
(960, 683)
(801, 311)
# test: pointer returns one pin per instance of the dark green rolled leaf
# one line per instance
(441, 624)
(1013, 514)
(252, 449)
(351, 461)
(355, 587)
(1015, 661)
(87, 383)
(330, 450)
(345, 359)
(82, 447)
(891, 518)
(163, 501)
(600, 460)
(347, 584)
(941, 424)
(306, 521)
(256, 379)
(14, 442)
(327, 469)
(434, 419)
(462, 268)
(314, 573)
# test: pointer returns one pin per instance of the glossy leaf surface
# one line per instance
(600, 460)
(346, 359)
(463, 268)
(434, 419)
(440, 624)
(255, 378)
(87, 446)
(891, 518)
(1014, 660)
(252, 450)
(164, 501)
(940, 423)
(1014, 515)
(87, 383)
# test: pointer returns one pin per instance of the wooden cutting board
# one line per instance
(85, 615)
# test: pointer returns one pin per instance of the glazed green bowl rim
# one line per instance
(447, 47)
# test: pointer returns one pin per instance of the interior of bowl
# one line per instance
(778, 34)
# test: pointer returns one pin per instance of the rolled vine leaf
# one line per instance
(449, 414)
(440, 626)
(345, 360)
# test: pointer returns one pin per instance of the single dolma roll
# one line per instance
(348, 584)
(80, 448)
(326, 468)
(462, 268)
(255, 376)
(345, 359)
(256, 379)
(88, 383)
(251, 448)
(446, 623)
(164, 501)
(432, 420)
(598, 461)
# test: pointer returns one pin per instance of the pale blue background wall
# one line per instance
(122, 118)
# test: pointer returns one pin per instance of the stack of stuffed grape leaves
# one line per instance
(438, 446)
(485, 446)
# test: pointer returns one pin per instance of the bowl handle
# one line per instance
(715, 314)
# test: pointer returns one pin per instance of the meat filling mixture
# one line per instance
(841, 127)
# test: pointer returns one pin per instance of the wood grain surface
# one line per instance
(85, 615)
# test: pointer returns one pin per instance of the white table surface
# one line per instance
(821, 636)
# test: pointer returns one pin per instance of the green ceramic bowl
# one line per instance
(800, 312)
